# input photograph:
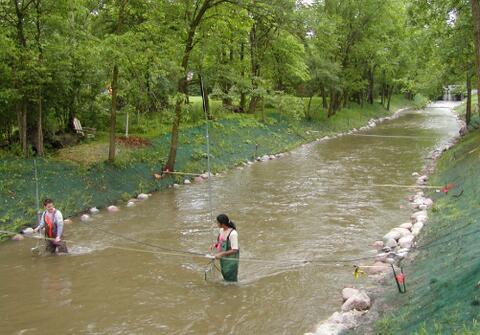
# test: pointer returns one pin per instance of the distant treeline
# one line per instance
(61, 59)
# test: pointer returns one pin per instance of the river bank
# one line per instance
(78, 187)
(443, 295)
(442, 270)
(394, 250)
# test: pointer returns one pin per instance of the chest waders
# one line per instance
(229, 264)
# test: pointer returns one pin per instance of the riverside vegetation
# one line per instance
(78, 178)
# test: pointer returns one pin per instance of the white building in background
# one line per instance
(453, 92)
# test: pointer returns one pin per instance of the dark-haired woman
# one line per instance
(227, 248)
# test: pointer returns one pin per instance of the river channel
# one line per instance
(322, 201)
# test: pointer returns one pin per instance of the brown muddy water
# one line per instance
(318, 202)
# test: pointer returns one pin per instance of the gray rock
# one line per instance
(391, 235)
(94, 210)
(27, 231)
(391, 243)
(142, 196)
(112, 208)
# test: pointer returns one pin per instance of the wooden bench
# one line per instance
(83, 131)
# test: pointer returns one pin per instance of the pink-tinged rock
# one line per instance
(198, 179)
(428, 202)
(382, 257)
(360, 302)
(130, 204)
(378, 245)
(112, 209)
(406, 241)
(67, 221)
(84, 217)
(17, 237)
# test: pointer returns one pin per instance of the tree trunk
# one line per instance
(370, 85)
(324, 97)
(468, 112)
(255, 69)
(174, 140)
(331, 108)
(476, 23)
(308, 116)
(243, 97)
(389, 93)
(21, 106)
(113, 115)
(40, 146)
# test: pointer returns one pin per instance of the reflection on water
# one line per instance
(319, 202)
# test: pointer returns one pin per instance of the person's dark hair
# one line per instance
(223, 219)
(47, 201)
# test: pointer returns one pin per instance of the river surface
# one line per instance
(321, 201)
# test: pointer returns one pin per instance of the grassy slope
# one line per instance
(79, 179)
(444, 279)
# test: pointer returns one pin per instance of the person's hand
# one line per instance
(219, 255)
(210, 256)
(57, 239)
(36, 230)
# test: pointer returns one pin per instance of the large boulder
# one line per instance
(17, 237)
(85, 218)
(391, 243)
(94, 210)
(406, 241)
(27, 231)
(338, 323)
(112, 209)
(407, 225)
(347, 292)
(360, 302)
(419, 216)
(402, 231)
(392, 235)
(142, 196)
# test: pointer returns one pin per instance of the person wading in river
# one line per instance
(52, 221)
(227, 248)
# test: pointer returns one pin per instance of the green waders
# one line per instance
(229, 264)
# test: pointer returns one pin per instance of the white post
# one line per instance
(126, 126)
